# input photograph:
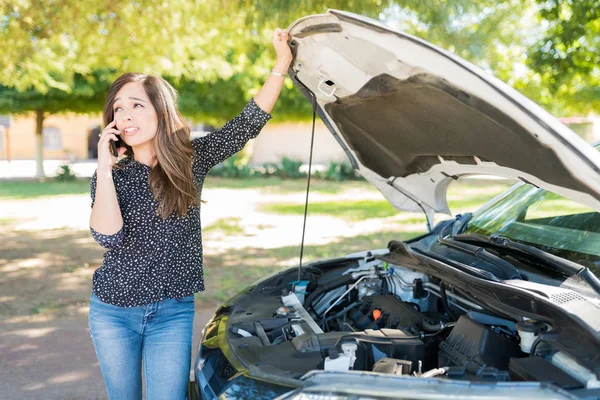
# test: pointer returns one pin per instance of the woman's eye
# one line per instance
(134, 105)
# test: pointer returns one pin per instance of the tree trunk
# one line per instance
(39, 144)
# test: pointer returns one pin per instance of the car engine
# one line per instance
(377, 317)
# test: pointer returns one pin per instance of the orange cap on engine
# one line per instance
(376, 314)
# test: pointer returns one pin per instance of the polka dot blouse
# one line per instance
(151, 259)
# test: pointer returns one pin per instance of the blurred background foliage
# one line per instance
(61, 55)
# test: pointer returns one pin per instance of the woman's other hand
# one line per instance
(280, 38)
(268, 94)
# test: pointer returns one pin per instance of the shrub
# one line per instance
(290, 169)
(230, 169)
(65, 174)
(340, 171)
(266, 170)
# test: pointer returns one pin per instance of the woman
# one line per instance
(146, 211)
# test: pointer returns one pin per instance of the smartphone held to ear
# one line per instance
(114, 145)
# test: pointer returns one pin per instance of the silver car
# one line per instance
(502, 302)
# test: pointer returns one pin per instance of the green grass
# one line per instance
(471, 203)
(357, 210)
(8, 221)
(27, 189)
(43, 308)
(278, 185)
(228, 273)
(350, 210)
(226, 226)
(24, 189)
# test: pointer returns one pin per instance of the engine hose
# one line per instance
(444, 327)
(445, 301)
(339, 314)
(334, 284)
(534, 346)
(427, 327)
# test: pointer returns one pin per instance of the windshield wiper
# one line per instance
(461, 223)
(559, 264)
(490, 263)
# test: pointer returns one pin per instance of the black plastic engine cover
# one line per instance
(476, 348)
(395, 313)
(391, 343)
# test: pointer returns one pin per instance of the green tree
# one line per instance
(61, 55)
(85, 95)
(566, 59)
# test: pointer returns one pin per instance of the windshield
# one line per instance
(534, 216)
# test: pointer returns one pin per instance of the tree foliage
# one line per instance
(61, 55)
(567, 58)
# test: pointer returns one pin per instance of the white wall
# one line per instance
(293, 141)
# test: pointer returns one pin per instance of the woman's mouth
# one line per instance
(130, 131)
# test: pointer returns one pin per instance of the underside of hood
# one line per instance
(412, 117)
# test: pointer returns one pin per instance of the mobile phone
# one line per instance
(114, 145)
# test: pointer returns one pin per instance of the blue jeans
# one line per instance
(157, 336)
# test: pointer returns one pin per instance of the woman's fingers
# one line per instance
(108, 136)
(111, 131)
(105, 154)
(280, 34)
(109, 126)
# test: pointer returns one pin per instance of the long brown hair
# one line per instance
(171, 179)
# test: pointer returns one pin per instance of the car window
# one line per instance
(552, 205)
(550, 222)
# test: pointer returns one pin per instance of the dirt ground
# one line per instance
(47, 259)
(53, 358)
(47, 255)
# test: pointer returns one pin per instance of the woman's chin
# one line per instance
(137, 141)
(132, 142)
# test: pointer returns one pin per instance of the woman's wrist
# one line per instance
(104, 172)
(282, 65)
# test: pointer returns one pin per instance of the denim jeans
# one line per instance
(157, 336)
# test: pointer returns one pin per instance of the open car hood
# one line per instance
(412, 117)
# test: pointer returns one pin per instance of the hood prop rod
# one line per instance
(310, 157)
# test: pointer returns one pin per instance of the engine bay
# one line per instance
(368, 315)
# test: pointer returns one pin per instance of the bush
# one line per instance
(266, 170)
(290, 169)
(65, 174)
(233, 167)
(339, 171)
(230, 169)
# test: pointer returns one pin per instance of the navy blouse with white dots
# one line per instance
(151, 258)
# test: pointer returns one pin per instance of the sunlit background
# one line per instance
(57, 60)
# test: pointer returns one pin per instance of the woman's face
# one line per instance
(136, 117)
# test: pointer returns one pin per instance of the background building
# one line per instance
(75, 137)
